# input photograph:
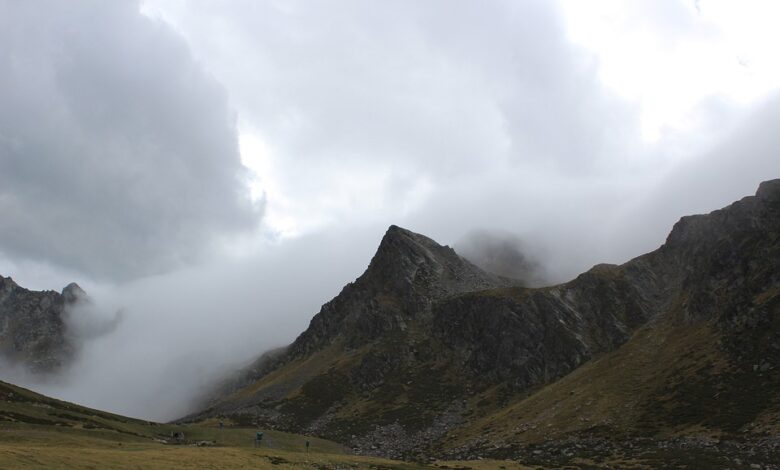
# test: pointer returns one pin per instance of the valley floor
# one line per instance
(41, 432)
(24, 445)
(31, 447)
(35, 446)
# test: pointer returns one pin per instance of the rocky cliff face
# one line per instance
(408, 273)
(424, 346)
(32, 327)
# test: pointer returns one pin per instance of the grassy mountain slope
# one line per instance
(40, 432)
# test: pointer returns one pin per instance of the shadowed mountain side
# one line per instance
(32, 326)
(424, 345)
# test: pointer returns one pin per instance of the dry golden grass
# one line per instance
(179, 457)
(606, 391)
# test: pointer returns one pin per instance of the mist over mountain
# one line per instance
(503, 254)
(34, 335)
(424, 349)
(204, 175)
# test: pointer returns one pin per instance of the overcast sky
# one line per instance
(220, 169)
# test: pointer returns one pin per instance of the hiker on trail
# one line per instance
(258, 439)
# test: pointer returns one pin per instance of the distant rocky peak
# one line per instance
(404, 252)
(752, 213)
(73, 293)
(32, 327)
(402, 242)
(769, 190)
(405, 259)
(7, 283)
(406, 275)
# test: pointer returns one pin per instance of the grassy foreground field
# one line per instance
(40, 432)
(36, 448)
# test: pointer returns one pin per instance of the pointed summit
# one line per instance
(406, 275)
(399, 241)
(407, 259)
(73, 293)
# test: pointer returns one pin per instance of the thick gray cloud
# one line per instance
(406, 94)
(118, 153)
(568, 223)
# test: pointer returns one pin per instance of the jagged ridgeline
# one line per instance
(32, 326)
(426, 353)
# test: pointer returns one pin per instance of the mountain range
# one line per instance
(427, 354)
(673, 355)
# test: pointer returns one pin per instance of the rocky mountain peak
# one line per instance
(6, 284)
(402, 252)
(769, 190)
(407, 274)
(751, 214)
(407, 260)
(32, 327)
(73, 293)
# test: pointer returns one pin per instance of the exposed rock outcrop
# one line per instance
(406, 275)
(32, 326)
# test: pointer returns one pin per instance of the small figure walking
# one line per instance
(307, 446)
(258, 439)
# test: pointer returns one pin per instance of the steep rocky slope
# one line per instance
(702, 374)
(425, 353)
(395, 295)
(32, 326)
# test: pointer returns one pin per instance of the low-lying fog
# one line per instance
(178, 333)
